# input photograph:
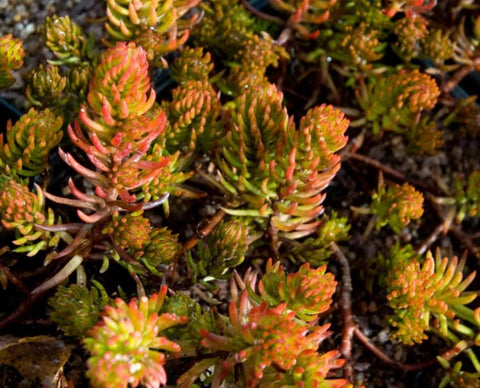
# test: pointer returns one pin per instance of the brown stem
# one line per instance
(14, 280)
(206, 230)
(386, 359)
(457, 77)
(345, 303)
(461, 236)
(19, 312)
(262, 15)
(440, 228)
(454, 229)
(375, 163)
(272, 232)
(386, 169)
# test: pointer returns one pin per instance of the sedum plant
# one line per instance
(185, 195)
(29, 141)
(12, 59)
(421, 292)
(126, 348)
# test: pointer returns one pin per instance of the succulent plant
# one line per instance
(29, 141)
(76, 309)
(421, 292)
(395, 205)
(207, 151)
(11, 52)
(127, 348)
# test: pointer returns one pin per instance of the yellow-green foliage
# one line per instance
(26, 145)
(11, 58)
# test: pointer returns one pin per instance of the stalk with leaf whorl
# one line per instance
(277, 171)
(11, 58)
(25, 147)
(127, 347)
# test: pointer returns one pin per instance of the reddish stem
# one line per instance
(206, 230)
(14, 280)
(386, 359)
(345, 303)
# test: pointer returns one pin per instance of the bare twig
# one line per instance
(206, 230)
(454, 229)
(346, 308)
(386, 169)
(262, 15)
(457, 77)
(440, 228)
(14, 280)
(375, 163)
(388, 360)
(272, 232)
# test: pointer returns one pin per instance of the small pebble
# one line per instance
(27, 31)
(382, 336)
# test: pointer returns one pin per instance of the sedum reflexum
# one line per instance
(121, 121)
(20, 210)
(76, 309)
(396, 205)
(26, 145)
(156, 26)
(276, 170)
(66, 40)
(11, 58)
(269, 345)
(307, 292)
(428, 296)
(127, 347)
(222, 250)
(396, 102)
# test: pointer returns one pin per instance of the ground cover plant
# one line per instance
(232, 194)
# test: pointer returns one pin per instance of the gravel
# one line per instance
(22, 18)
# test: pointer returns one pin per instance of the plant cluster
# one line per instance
(215, 231)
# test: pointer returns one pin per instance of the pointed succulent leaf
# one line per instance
(21, 209)
(130, 231)
(308, 292)
(467, 195)
(261, 340)
(395, 205)
(162, 248)
(193, 64)
(317, 248)
(412, 8)
(311, 370)
(46, 86)
(305, 14)
(27, 144)
(438, 45)
(362, 45)
(65, 39)
(259, 122)
(76, 309)
(223, 249)
(421, 292)
(274, 167)
(152, 24)
(11, 58)
(120, 86)
(127, 347)
(78, 78)
(169, 178)
(396, 102)
(410, 32)
(193, 114)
